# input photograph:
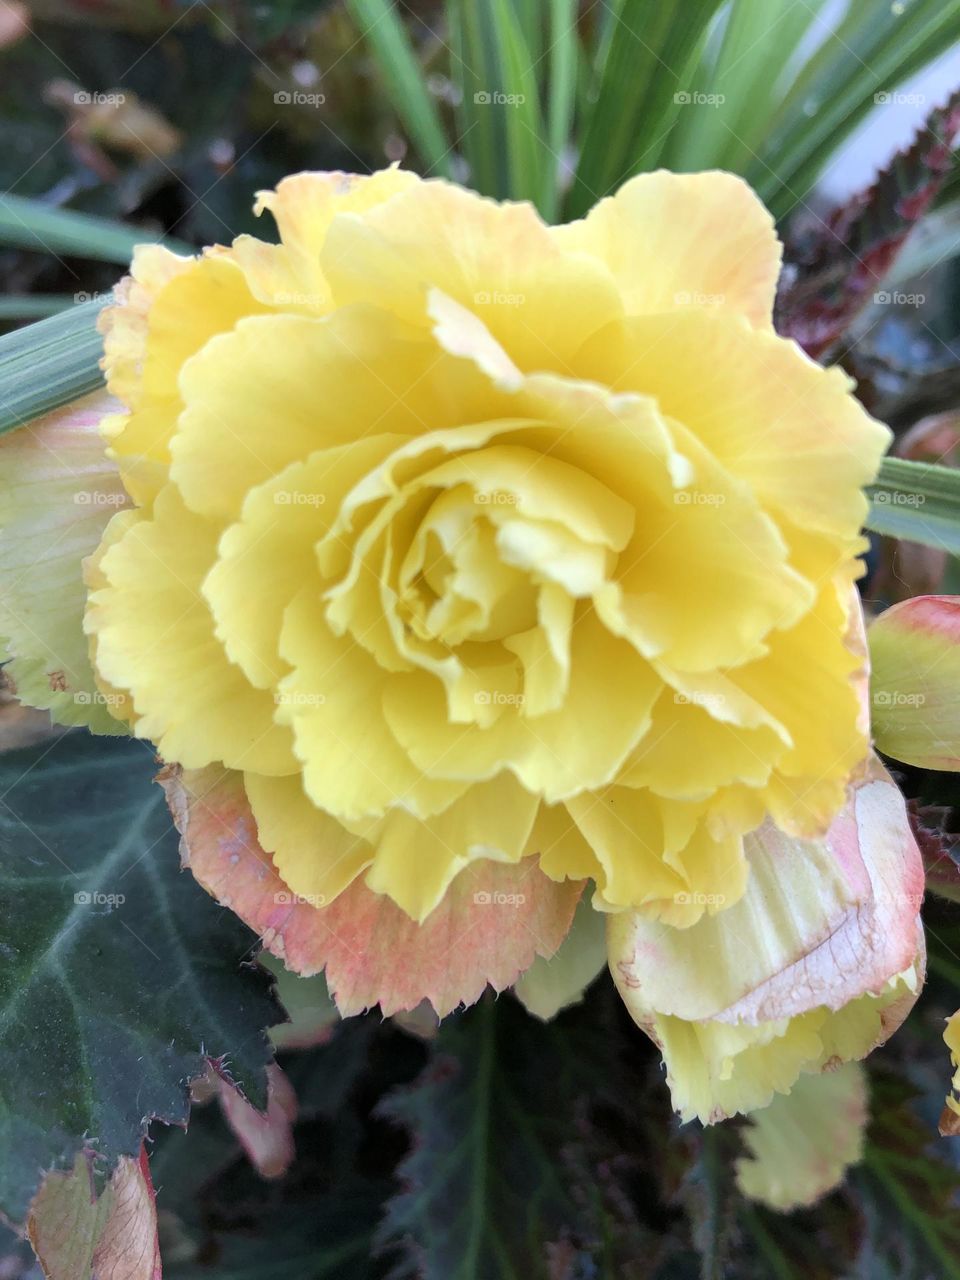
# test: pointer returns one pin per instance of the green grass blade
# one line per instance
(47, 364)
(744, 69)
(875, 48)
(649, 52)
(34, 306)
(30, 224)
(382, 27)
(564, 54)
(500, 118)
(918, 501)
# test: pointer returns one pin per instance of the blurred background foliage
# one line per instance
(122, 120)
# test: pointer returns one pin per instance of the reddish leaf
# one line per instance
(834, 265)
(267, 1138)
(75, 1232)
(937, 846)
(492, 924)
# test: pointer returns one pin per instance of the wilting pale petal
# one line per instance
(554, 982)
(817, 962)
(802, 1144)
(60, 492)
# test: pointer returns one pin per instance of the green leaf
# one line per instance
(912, 1191)
(651, 47)
(500, 120)
(34, 306)
(120, 977)
(31, 224)
(564, 58)
(917, 501)
(47, 364)
(488, 1116)
(403, 78)
(743, 72)
(873, 50)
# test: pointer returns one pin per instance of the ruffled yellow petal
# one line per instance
(768, 414)
(417, 861)
(352, 765)
(203, 297)
(273, 544)
(693, 241)
(155, 638)
(316, 855)
(562, 753)
(497, 260)
(288, 275)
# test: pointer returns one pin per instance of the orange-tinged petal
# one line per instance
(494, 921)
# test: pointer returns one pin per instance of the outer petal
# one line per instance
(915, 683)
(679, 241)
(149, 336)
(554, 982)
(288, 275)
(494, 920)
(819, 959)
(60, 491)
(155, 638)
(767, 413)
(498, 260)
(803, 1143)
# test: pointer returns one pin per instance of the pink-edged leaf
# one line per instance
(915, 683)
(493, 922)
(266, 1137)
(77, 1233)
(835, 265)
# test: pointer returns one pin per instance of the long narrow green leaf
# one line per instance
(380, 22)
(34, 306)
(874, 49)
(917, 501)
(50, 363)
(741, 78)
(30, 224)
(650, 49)
(501, 123)
(564, 49)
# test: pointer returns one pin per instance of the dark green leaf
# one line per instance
(488, 1118)
(30, 224)
(651, 46)
(119, 976)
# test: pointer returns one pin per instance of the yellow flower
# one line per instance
(819, 962)
(467, 537)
